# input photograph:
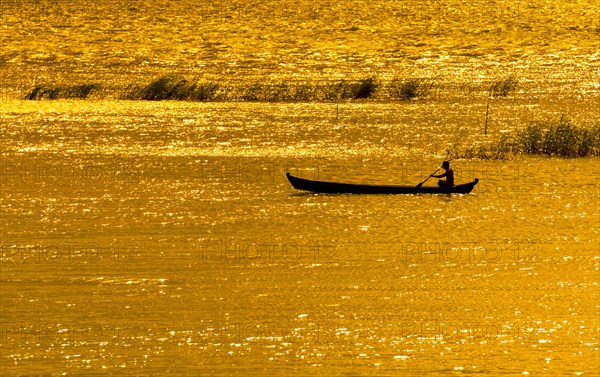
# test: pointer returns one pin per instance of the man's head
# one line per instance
(446, 165)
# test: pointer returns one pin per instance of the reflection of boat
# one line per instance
(350, 188)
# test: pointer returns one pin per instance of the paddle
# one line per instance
(421, 184)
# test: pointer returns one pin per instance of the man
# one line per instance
(448, 174)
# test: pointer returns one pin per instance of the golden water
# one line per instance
(144, 238)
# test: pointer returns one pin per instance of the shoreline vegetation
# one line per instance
(62, 92)
(543, 138)
(177, 88)
(552, 139)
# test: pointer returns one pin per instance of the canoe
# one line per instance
(350, 188)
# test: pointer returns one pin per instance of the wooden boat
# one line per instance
(350, 188)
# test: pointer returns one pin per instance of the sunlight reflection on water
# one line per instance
(207, 245)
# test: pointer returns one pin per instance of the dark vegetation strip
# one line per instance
(183, 89)
(59, 92)
(560, 139)
(552, 139)
(174, 88)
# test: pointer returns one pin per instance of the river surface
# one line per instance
(146, 238)
(142, 238)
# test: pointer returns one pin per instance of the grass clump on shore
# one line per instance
(178, 88)
(61, 92)
(362, 89)
(408, 89)
(173, 88)
(181, 89)
(504, 87)
(344, 90)
(558, 139)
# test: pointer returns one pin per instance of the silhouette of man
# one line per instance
(448, 174)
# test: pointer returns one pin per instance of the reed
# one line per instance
(363, 89)
(173, 88)
(345, 90)
(552, 139)
(560, 139)
(306, 92)
(61, 92)
(177, 88)
(408, 89)
(504, 87)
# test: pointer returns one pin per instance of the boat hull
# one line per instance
(349, 188)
